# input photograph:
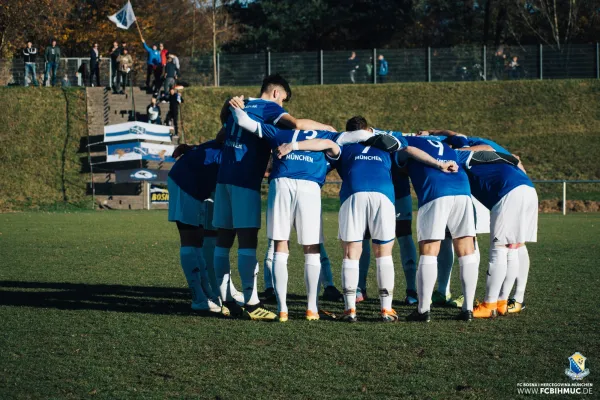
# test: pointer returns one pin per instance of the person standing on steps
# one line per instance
(152, 66)
(115, 52)
(174, 99)
(95, 65)
(125, 63)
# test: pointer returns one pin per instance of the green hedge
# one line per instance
(553, 125)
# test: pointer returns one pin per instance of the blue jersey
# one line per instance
(306, 165)
(399, 179)
(364, 169)
(490, 182)
(245, 155)
(196, 171)
(430, 183)
(459, 142)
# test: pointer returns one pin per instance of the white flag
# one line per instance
(124, 18)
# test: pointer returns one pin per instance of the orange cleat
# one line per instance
(485, 310)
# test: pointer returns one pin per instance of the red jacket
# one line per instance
(163, 56)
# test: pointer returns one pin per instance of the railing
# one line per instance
(463, 63)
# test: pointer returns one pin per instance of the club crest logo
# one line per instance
(137, 130)
(577, 370)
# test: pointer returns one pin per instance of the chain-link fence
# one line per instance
(462, 63)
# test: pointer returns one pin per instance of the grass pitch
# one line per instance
(95, 305)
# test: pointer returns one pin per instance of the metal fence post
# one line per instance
(428, 64)
(484, 62)
(79, 77)
(564, 198)
(268, 62)
(541, 62)
(597, 60)
(374, 65)
(218, 69)
(320, 67)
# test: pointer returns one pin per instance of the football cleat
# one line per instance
(416, 316)
(361, 295)
(257, 313)
(466, 316)
(268, 295)
(502, 307)
(349, 315)
(411, 298)
(514, 307)
(485, 310)
(457, 302)
(439, 299)
(331, 293)
(283, 317)
(312, 316)
(389, 315)
(233, 308)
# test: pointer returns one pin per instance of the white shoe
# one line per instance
(237, 296)
(208, 305)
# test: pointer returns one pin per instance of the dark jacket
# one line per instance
(114, 54)
(383, 68)
(29, 54)
(94, 58)
(171, 70)
(174, 101)
(52, 54)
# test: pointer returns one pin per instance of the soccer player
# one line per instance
(294, 200)
(191, 180)
(367, 197)
(237, 197)
(511, 197)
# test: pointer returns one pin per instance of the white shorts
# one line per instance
(367, 210)
(297, 203)
(404, 208)
(454, 212)
(236, 207)
(514, 218)
(183, 207)
(209, 208)
(482, 217)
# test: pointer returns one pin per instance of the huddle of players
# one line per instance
(375, 167)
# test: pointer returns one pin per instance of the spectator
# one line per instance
(173, 115)
(152, 68)
(163, 55)
(369, 69)
(125, 63)
(95, 65)
(514, 67)
(65, 81)
(383, 69)
(499, 64)
(153, 111)
(29, 55)
(353, 65)
(176, 62)
(115, 52)
(52, 58)
(170, 75)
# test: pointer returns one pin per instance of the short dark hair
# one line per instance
(356, 123)
(276, 80)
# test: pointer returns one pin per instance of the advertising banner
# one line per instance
(139, 151)
(159, 195)
(141, 175)
(137, 131)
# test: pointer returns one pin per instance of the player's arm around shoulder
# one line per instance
(288, 121)
(331, 148)
(422, 157)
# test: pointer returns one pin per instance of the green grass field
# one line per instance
(94, 304)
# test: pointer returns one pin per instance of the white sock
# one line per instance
(350, 282)
(426, 276)
(222, 272)
(445, 262)
(385, 281)
(477, 252)
(191, 270)
(469, 270)
(268, 265)
(522, 275)
(326, 276)
(208, 251)
(363, 265)
(408, 256)
(204, 273)
(280, 280)
(312, 270)
(496, 273)
(247, 268)
(512, 270)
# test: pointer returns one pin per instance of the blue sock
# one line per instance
(326, 277)
(445, 261)
(205, 281)
(408, 255)
(191, 270)
(363, 265)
